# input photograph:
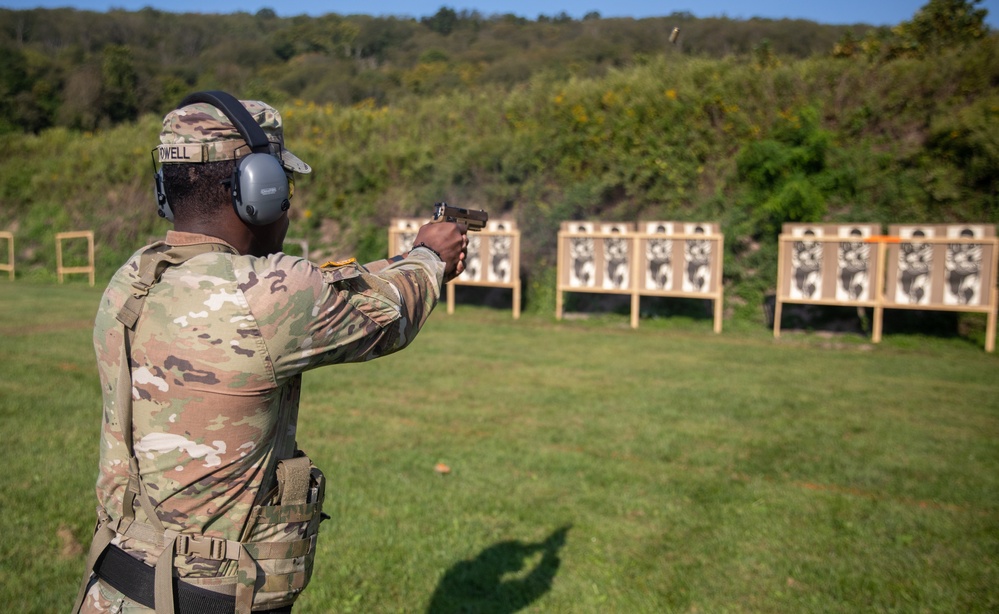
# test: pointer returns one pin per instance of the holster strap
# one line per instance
(293, 479)
(261, 551)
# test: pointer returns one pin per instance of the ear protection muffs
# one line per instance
(162, 206)
(259, 185)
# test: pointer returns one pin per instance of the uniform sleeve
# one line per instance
(310, 316)
(379, 265)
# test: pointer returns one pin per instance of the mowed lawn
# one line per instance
(593, 468)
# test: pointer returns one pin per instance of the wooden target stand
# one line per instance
(492, 261)
(884, 273)
(9, 265)
(638, 262)
(61, 270)
(498, 242)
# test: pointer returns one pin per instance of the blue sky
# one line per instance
(876, 12)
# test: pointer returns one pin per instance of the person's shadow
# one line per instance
(479, 585)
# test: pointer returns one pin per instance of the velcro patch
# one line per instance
(338, 263)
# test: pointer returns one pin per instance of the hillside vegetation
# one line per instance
(895, 125)
(85, 70)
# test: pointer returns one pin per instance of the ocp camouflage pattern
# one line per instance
(217, 138)
(217, 359)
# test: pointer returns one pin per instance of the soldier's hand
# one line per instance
(448, 239)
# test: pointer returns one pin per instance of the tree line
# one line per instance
(85, 70)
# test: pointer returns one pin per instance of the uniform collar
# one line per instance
(176, 237)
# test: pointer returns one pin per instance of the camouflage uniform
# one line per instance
(217, 357)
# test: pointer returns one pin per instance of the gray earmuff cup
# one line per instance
(262, 193)
(162, 205)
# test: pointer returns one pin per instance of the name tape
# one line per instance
(191, 153)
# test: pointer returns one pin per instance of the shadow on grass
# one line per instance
(826, 318)
(583, 304)
(501, 578)
(857, 321)
(497, 298)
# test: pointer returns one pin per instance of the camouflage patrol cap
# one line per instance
(202, 133)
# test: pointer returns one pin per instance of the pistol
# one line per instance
(474, 219)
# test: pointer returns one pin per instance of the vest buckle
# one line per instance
(200, 546)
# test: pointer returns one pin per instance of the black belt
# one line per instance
(137, 581)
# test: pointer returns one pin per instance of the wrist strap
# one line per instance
(432, 250)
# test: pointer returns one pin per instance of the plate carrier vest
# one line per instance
(275, 555)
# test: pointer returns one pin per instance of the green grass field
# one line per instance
(595, 468)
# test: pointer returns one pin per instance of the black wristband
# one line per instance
(434, 251)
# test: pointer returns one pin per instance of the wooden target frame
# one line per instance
(402, 233)
(61, 270)
(493, 258)
(932, 267)
(812, 268)
(669, 259)
(9, 265)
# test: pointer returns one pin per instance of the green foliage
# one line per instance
(943, 24)
(29, 93)
(969, 140)
(63, 66)
(795, 200)
(786, 174)
(938, 26)
(329, 34)
(443, 22)
(764, 56)
(372, 243)
(120, 80)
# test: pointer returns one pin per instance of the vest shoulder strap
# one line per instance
(157, 258)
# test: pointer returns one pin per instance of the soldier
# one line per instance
(205, 502)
